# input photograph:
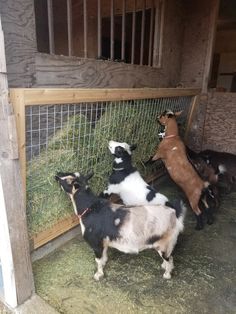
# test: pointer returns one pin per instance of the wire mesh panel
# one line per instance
(74, 137)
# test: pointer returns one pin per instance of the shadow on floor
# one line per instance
(204, 278)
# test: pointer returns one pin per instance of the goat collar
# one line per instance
(84, 212)
(170, 136)
(118, 169)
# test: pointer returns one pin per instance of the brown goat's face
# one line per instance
(163, 120)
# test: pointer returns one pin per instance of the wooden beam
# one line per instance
(192, 111)
(14, 243)
(210, 45)
(41, 96)
(18, 102)
(58, 229)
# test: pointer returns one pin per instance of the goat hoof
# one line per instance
(210, 221)
(167, 276)
(163, 265)
(98, 276)
(199, 227)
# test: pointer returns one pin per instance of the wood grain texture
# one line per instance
(13, 203)
(196, 38)
(41, 96)
(220, 123)
(20, 41)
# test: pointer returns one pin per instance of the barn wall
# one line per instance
(20, 41)
(65, 71)
(196, 38)
(26, 68)
(213, 126)
(220, 126)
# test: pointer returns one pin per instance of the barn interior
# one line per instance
(186, 51)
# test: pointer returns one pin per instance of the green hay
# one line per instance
(80, 147)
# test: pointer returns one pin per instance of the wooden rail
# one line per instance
(22, 97)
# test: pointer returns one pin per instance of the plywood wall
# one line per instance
(20, 41)
(197, 27)
(213, 126)
(26, 68)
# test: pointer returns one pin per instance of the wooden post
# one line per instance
(190, 116)
(210, 44)
(14, 247)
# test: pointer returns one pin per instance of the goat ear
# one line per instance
(89, 176)
(56, 178)
(133, 147)
(178, 113)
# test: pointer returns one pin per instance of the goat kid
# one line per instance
(128, 229)
(126, 181)
(172, 152)
(224, 164)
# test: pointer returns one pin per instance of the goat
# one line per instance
(206, 172)
(173, 153)
(128, 229)
(126, 181)
(224, 164)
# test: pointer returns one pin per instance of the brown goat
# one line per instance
(173, 153)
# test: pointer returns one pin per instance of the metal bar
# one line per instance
(112, 31)
(99, 30)
(151, 35)
(142, 32)
(133, 32)
(69, 28)
(85, 29)
(50, 27)
(123, 30)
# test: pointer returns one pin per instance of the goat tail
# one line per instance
(180, 212)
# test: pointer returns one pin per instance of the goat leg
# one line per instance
(101, 260)
(199, 225)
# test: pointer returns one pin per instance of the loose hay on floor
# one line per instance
(203, 280)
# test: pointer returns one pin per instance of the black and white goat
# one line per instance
(126, 181)
(128, 229)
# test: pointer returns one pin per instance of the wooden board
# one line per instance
(44, 96)
(14, 242)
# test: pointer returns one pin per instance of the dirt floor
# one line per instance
(203, 281)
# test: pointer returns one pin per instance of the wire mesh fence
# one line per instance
(74, 137)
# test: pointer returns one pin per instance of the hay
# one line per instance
(83, 146)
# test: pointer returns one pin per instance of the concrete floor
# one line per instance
(204, 278)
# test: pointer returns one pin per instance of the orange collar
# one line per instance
(170, 136)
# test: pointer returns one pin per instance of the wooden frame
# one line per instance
(22, 97)
(14, 243)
